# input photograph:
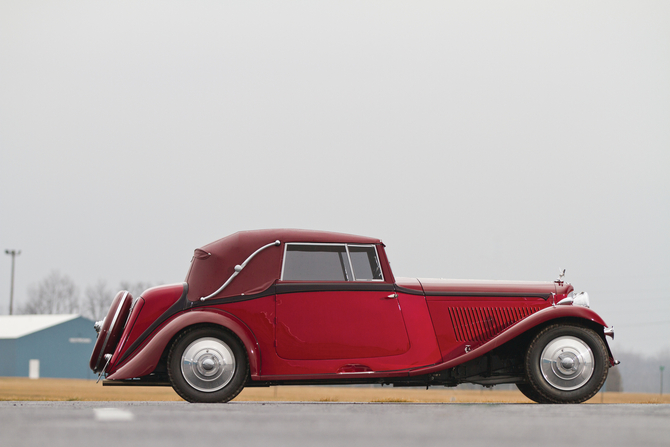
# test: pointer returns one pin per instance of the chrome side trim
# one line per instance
(238, 269)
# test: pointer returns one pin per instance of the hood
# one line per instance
(460, 287)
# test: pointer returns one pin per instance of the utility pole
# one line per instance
(14, 254)
(662, 368)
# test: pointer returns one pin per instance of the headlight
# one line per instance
(581, 299)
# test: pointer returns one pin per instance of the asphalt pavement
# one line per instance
(166, 424)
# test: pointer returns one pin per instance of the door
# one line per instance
(333, 303)
(339, 324)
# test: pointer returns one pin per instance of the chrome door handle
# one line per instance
(392, 296)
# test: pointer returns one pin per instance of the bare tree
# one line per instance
(55, 294)
(97, 300)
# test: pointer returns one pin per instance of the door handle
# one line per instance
(392, 296)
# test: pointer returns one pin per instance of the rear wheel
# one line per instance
(207, 365)
(566, 364)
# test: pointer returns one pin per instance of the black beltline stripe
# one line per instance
(349, 286)
(234, 299)
(544, 296)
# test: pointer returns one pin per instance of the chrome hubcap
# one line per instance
(567, 363)
(208, 364)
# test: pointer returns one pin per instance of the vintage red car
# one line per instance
(289, 307)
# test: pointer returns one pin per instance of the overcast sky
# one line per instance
(492, 140)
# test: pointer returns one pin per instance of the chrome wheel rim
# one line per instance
(208, 364)
(567, 363)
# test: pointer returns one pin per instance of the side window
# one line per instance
(331, 262)
(316, 263)
(365, 263)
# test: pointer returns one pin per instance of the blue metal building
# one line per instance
(46, 346)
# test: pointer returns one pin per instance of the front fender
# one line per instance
(146, 357)
(548, 314)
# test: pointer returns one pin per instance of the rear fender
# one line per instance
(146, 357)
(576, 313)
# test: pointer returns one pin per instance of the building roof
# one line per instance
(16, 326)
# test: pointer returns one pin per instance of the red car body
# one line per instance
(377, 329)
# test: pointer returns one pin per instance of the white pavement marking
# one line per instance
(112, 414)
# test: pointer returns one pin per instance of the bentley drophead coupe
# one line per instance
(298, 307)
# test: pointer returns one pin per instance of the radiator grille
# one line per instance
(483, 323)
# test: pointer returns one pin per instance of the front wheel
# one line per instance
(566, 364)
(207, 365)
(528, 391)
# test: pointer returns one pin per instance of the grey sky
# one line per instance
(495, 140)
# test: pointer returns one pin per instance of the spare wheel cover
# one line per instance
(111, 330)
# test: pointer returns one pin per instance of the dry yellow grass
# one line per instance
(19, 388)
